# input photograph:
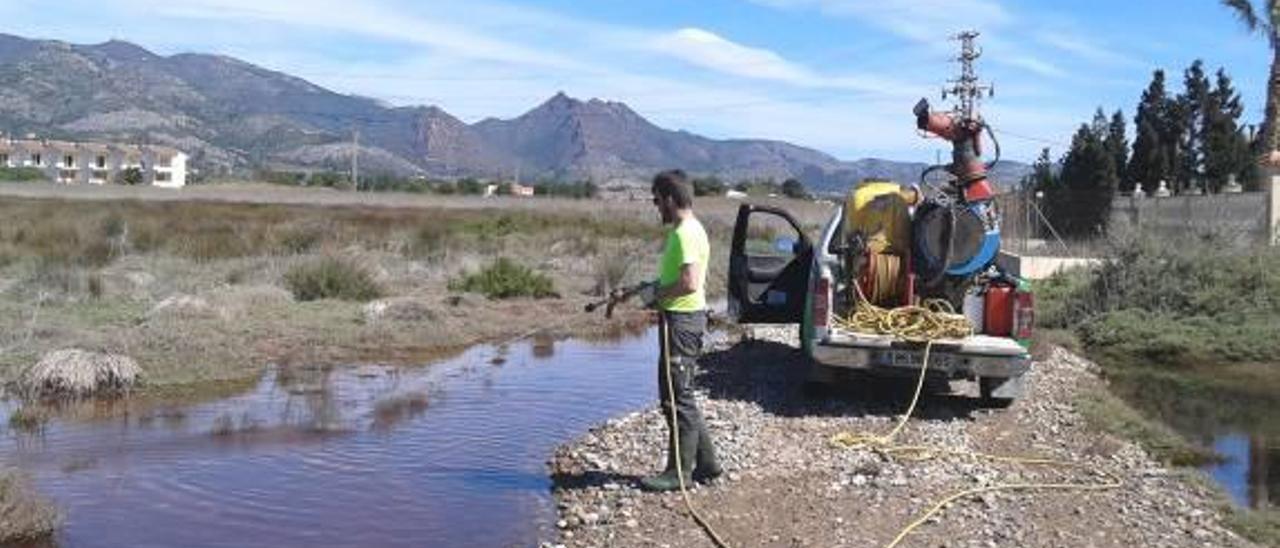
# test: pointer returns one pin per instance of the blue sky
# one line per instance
(837, 75)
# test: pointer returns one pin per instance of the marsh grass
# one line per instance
(1177, 302)
(610, 268)
(332, 277)
(25, 516)
(505, 279)
(78, 373)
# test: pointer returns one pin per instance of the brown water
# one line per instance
(448, 455)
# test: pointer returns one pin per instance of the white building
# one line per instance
(96, 163)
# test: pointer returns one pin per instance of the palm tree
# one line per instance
(1268, 25)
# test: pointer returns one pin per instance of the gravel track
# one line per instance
(787, 485)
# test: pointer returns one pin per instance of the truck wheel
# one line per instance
(818, 377)
(987, 387)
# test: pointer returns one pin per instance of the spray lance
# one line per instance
(616, 297)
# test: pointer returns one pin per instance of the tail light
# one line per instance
(1024, 315)
(822, 302)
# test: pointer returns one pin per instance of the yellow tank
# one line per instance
(880, 212)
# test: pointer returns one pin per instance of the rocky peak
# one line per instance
(122, 51)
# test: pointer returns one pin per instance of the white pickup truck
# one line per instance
(778, 275)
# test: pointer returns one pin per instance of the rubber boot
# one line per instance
(669, 479)
(708, 467)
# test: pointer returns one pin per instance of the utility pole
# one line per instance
(355, 159)
(967, 90)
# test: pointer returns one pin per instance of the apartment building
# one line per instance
(96, 163)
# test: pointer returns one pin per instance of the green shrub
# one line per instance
(504, 279)
(331, 278)
(20, 174)
(1178, 301)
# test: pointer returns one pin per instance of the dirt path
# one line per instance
(789, 486)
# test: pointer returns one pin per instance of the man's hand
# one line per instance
(648, 294)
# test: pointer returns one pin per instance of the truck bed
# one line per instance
(985, 345)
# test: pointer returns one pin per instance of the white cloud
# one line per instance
(918, 20)
(1038, 66)
(709, 50)
(369, 19)
(1086, 49)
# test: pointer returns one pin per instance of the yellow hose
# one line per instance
(675, 441)
(935, 321)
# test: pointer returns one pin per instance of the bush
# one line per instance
(130, 176)
(504, 279)
(331, 278)
(1177, 302)
(21, 174)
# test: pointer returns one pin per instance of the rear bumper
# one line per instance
(949, 363)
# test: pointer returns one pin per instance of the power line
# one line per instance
(1008, 133)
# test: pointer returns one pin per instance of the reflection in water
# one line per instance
(544, 346)
(1245, 469)
(448, 455)
(1259, 463)
(1237, 421)
(389, 412)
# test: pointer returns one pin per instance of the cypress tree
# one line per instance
(1081, 203)
(1118, 144)
(1187, 125)
(1150, 163)
(1226, 147)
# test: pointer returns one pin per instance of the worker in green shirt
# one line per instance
(679, 294)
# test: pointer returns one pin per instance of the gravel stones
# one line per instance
(786, 484)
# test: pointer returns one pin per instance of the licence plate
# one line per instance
(914, 359)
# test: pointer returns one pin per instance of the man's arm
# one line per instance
(687, 284)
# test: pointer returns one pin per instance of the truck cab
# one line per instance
(778, 274)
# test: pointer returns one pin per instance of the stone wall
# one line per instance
(1249, 217)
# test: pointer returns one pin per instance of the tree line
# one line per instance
(466, 186)
(1192, 141)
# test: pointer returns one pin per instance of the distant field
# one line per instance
(214, 283)
(718, 209)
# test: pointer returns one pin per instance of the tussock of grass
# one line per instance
(505, 279)
(77, 373)
(24, 515)
(332, 277)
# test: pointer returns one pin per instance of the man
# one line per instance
(680, 297)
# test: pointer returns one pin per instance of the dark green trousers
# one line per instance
(683, 344)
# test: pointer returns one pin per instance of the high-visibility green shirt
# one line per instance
(686, 244)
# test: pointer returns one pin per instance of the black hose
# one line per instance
(948, 250)
(995, 142)
(925, 174)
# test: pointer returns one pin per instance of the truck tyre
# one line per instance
(987, 387)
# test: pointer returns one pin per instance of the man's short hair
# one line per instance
(674, 184)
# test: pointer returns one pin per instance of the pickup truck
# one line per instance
(788, 278)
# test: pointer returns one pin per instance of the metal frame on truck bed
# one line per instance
(798, 282)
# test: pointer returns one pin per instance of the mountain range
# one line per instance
(232, 116)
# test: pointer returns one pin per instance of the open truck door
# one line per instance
(769, 264)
